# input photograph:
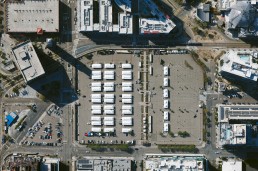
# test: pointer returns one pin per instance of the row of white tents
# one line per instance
(166, 95)
(110, 86)
(107, 130)
(110, 121)
(110, 109)
(110, 66)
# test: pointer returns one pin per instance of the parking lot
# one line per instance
(47, 130)
(183, 83)
(105, 100)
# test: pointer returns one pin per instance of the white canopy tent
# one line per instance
(109, 129)
(96, 66)
(96, 123)
(126, 130)
(126, 66)
(127, 121)
(96, 129)
(109, 66)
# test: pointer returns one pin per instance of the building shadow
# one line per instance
(248, 86)
(65, 22)
(252, 41)
(71, 60)
(55, 85)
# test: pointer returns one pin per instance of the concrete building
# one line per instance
(105, 21)
(33, 16)
(203, 12)
(49, 164)
(27, 61)
(99, 16)
(233, 125)
(160, 23)
(175, 162)
(241, 20)
(108, 164)
(232, 165)
(239, 63)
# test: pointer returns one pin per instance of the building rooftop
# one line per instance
(106, 23)
(124, 25)
(240, 63)
(232, 165)
(242, 18)
(237, 133)
(160, 24)
(183, 163)
(50, 164)
(33, 16)
(203, 12)
(27, 60)
(112, 164)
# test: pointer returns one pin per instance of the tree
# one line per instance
(221, 62)
(162, 62)
(171, 134)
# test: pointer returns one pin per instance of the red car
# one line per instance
(86, 134)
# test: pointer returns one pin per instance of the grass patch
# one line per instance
(178, 148)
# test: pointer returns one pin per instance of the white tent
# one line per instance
(109, 123)
(109, 72)
(127, 101)
(95, 118)
(95, 84)
(165, 93)
(109, 66)
(127, 121)
(165, 129)
(108, 84)
(96, 66)
(126, 66)
(126, 77)
(109, 77)
(166, 115)
(165, 70)
(127, 112)
(96, 112)
(96, 129)
(95, 96)
(109, 129)
(166, 82)
(96, 123)
(166, 104)
(96, 77)
(109, 96)
(109, 112)
(109, 118)
(96, 89)
(95, 72)
(96, 107)
(96, 100)
(127, 84)
(124, 107)
(127, 96)
(109, 89)
(127, 72)
(126, 130)
(111, 101)
(110, 107)
(127, 89)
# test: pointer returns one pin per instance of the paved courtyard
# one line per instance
(185, 81)
(85, 108)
